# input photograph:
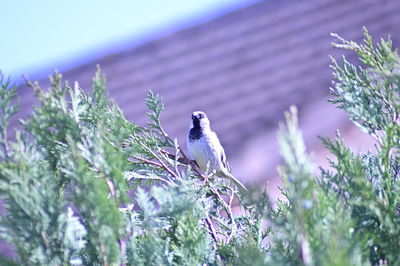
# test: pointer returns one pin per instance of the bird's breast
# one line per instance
(201, 150)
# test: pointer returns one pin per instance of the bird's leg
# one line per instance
(193, 163)
(208, 173)
(196, 168)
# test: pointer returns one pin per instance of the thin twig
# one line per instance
(109, 183)
(226, 207)
(147, 161)
(230, 235)
(228, 211)
(158, 159)
(182, 160)
(111, 187)
(211, 229)
(154, 178)
(231, 196)
(174, 165)
(122, 251)
(163, 165)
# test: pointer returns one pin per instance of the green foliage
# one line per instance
(65, 180)
(369, 183)
(348, 214)
(7, 110)
(369, 94)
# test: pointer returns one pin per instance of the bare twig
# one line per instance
(228, 210)
(154, 178)
(231, 196)
(163, 165)
(230, 236)
(182, 160)
(143, 160)
(144, 146)
(111, 187)
(211, 229)
(122, 251)
(171, 164)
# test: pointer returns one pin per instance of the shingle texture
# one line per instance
(243, 69)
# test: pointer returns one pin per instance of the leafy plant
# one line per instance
(81, 185)
(65, 182)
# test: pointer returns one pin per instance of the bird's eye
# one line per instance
(201, 116)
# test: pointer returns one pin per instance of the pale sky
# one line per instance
(38, 36)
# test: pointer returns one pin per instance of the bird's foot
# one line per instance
(193, 163)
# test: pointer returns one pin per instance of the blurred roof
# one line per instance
(244, 70)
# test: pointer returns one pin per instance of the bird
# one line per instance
(205, 149)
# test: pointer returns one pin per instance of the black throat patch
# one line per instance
(195, 132)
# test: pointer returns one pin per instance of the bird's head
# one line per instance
(200, 120)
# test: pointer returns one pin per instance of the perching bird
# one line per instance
(204, 147)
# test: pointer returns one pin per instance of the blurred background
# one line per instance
(243, 62)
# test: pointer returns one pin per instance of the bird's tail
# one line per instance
(226, 174)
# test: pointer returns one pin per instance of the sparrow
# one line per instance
(205, 148)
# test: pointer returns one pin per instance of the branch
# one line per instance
(211, 229)
(154, 178)
(144, 146)
(147, 161)
(228, 210)
(182, 160)
(111, 187)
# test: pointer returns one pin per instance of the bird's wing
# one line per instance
(219, 150)
(224, 170)
(223, 157)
